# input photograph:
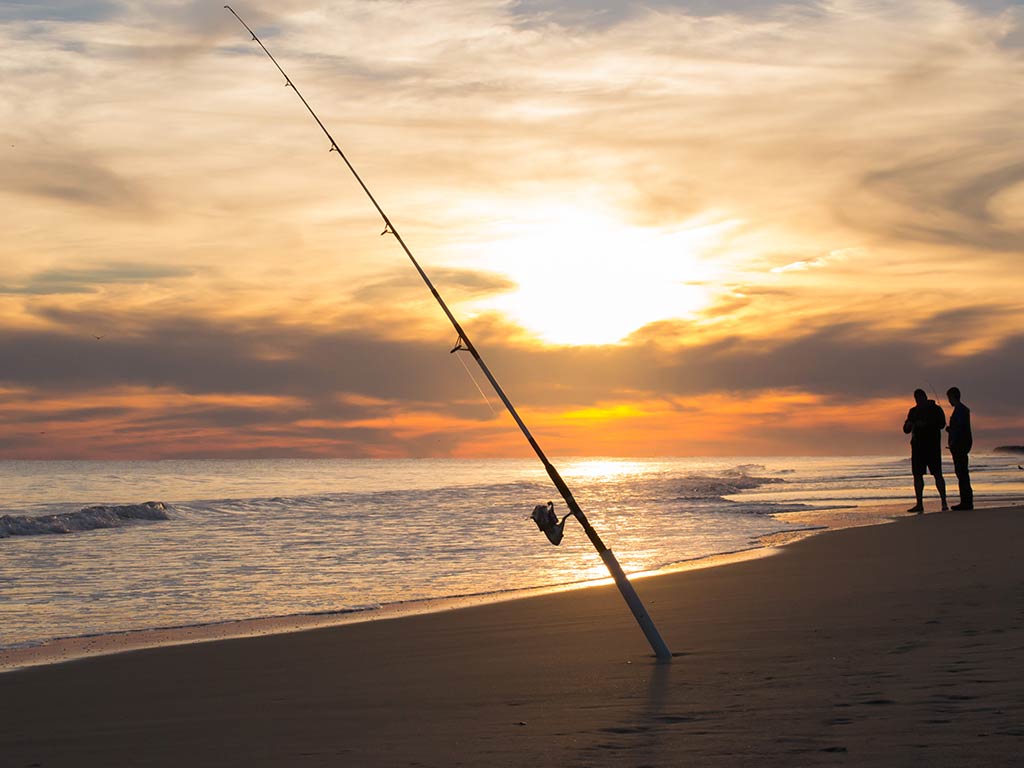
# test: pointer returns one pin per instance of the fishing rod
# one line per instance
(463, 343)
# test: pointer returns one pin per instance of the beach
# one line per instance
(895, 644)
(319, 463)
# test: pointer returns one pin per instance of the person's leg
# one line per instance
(963, 477)
(918, 492)
(940, 486)
(968, 490)
(932, 460)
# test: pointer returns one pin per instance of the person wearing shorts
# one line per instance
(925, 423)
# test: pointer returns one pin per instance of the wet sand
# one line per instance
(890, 645)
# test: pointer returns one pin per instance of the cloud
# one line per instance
(93, 279)
(601, 14)
(945, 201)
(52, 10)
(65, 175)
(815, 262)
(310, 392)
(457, 283)
(815, 130)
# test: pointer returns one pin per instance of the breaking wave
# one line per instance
(717, 486)
(86, 519)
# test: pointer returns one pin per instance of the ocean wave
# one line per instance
(86, 519)
(715, 487)
(705, 488)
(187, 629)
(764, 508)
(746, 469)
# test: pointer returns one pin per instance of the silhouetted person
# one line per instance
(960, 442)
(924, 424)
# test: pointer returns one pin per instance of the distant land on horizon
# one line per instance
(1009, 449)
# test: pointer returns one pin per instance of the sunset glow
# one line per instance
(670, 228)
(584, 278)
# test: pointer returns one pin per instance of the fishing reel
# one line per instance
(546, 519)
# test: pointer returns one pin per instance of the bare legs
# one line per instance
(940, 486)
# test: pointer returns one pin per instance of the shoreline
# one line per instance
(885, 645)
(65, 649)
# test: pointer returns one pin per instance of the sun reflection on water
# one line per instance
(602, 469)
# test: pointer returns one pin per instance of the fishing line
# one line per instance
(473, 379)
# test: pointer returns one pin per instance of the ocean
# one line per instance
(267, 538)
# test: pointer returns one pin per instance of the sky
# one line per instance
(737, 228)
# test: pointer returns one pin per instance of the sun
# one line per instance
(585, 278)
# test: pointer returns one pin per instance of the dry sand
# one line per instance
(893, 645)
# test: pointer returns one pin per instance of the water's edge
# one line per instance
(68, 649)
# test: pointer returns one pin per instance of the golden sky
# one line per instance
(671, 228)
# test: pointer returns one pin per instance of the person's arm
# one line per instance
(958, 430)
(908, 425)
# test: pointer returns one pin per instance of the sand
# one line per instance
(892, 645)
